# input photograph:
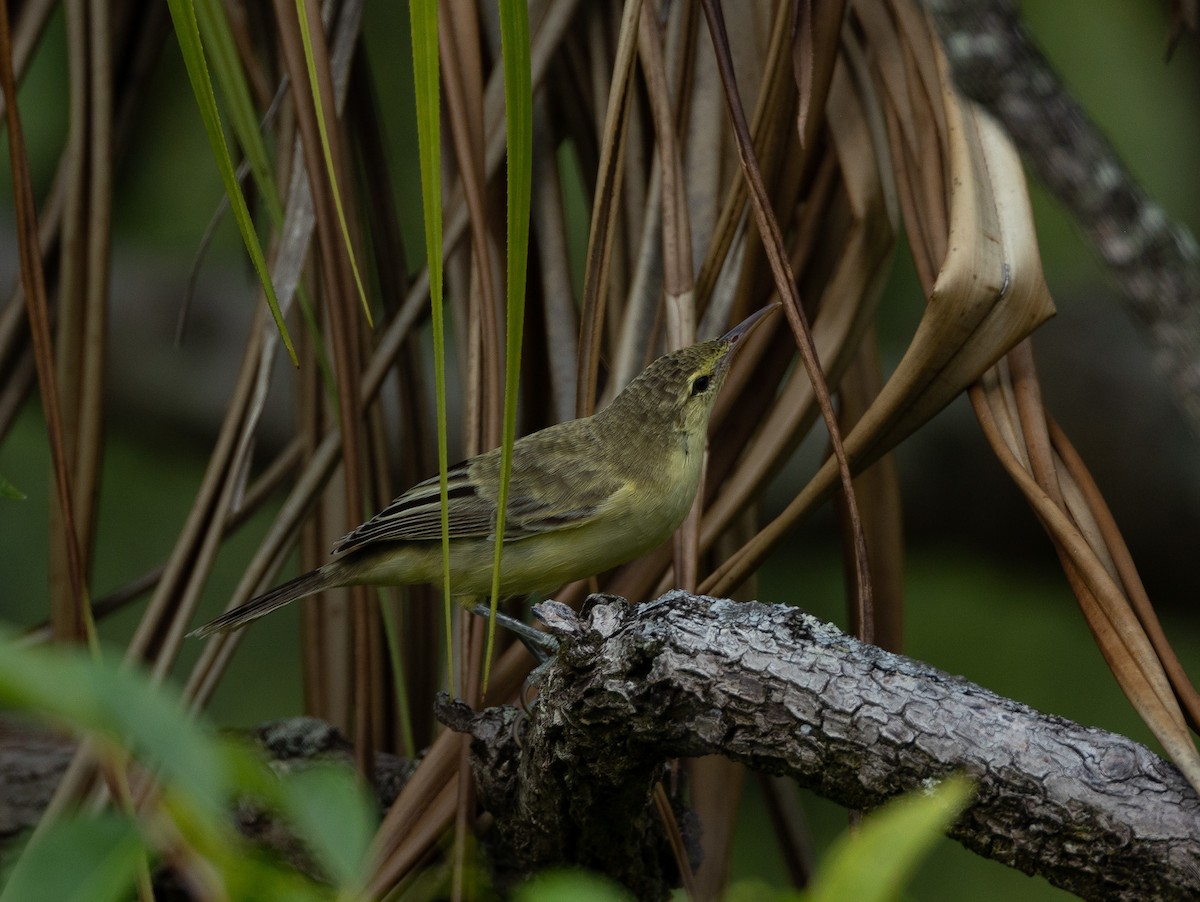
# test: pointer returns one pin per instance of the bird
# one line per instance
(584, 496)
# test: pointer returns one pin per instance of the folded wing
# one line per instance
(553, 486)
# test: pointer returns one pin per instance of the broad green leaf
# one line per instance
(758, 891)
(878, 860)
(183, 14)
(518, 114)
(330, 812)
(78, 859)
(578, 886)
(424, 17)
(102, 697)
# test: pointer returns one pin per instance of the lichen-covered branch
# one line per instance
(785, 693)
(1155, 260)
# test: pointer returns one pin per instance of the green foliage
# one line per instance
(199, 776)
(78, 859)
(227, 67)
(117, 705)
(518, 114)
(183, 13)
(329, 810)
(578, 886)
(424, 17)
(876, 861)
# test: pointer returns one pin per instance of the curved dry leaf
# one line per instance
(1119, 634)
(1073, 466)
(989, 294)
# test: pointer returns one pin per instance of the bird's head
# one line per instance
(680, 388)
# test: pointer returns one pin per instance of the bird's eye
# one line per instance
(700, 385)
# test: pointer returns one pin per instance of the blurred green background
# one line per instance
(984, 593)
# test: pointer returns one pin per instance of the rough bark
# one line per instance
(784, 693)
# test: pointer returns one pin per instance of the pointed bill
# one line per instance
(735, 335)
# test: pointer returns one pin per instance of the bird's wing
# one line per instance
(554, 485)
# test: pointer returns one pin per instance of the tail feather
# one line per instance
(307, 584)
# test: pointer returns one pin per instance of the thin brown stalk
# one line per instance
(90, 439)
(14, 349)
(418, 839)
(340, 294)
(785, 283)
(33, 283)
(604, 212)
(1044, 460)
(766, 129)
(675, 839)
(259, 492)
(462, 81)
(790, 827)
(181, 575)
(549, 231)
(879, 496)
(69, 320)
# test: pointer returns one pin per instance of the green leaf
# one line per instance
(10, 491)
(226, 65)
(102, 697)
(758, 891)
(424, 17)
(330, 812)
(578, 886)
(518, 114)
(879, 859)
(78, 859)
(183, 14)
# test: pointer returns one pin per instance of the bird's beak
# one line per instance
(739, 332)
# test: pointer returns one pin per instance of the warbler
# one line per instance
(583, 496)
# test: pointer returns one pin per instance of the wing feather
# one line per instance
(554, 485)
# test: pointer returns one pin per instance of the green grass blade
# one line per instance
(518, 114)
(227, 68)
(183, 14)
(323, 128)
(423, 14)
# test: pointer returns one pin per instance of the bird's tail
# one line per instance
(307, 584)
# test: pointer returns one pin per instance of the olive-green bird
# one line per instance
(584, 496)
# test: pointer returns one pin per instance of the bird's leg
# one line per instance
(541, 645)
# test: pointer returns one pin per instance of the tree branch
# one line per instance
(785, 693)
